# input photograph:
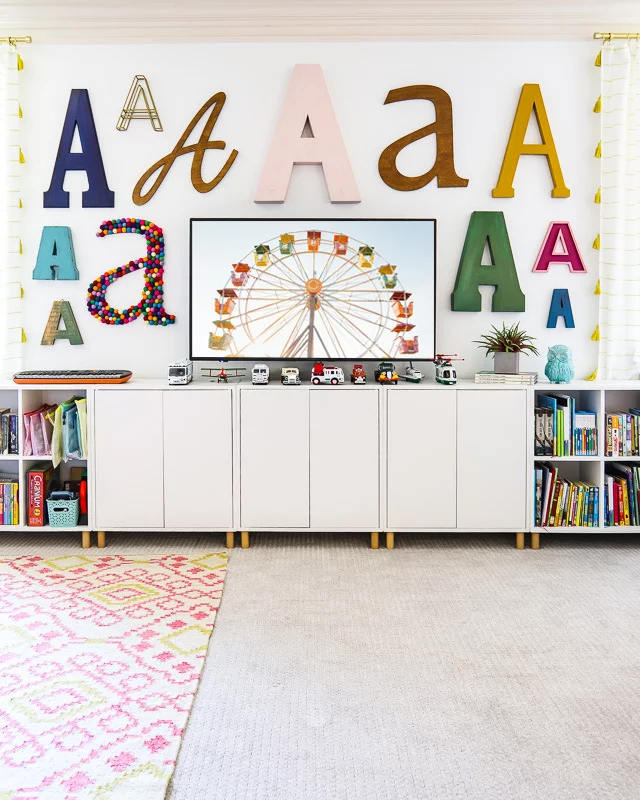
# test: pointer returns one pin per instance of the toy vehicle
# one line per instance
(180, 372)
(445, 373)
(386, 373)
(358, 375)
(332, 375)
(290, 376)
(259, 374)
(412, 374)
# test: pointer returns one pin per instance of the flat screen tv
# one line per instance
(353, 289)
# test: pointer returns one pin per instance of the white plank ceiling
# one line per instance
(88, 21)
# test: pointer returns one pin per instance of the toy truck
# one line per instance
(358, 375)
(259, 374)
(386, 373)
(290, 376)
(322, 374)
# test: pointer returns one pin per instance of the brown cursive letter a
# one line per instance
(216, 103)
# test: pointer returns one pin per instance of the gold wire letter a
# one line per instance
(216, 104)
(139, 87)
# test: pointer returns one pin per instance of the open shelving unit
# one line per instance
(25, 398)
(603, 400)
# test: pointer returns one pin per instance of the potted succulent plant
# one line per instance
(506, 345)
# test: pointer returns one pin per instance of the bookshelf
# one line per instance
(605, 398)
(23, 399)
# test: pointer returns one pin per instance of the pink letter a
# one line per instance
(307, 100)
(559, 247)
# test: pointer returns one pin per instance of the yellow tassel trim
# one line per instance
(21, 292)
(596, 242)
(19, 112)
(593, 376)
(24, 336)
(20, 63)
(596, 199)
(20, 203)
(20, 248)
(595, 336)
(21, 158)
(598, 153)
(598, 106)
(598, 61)
(597, 289)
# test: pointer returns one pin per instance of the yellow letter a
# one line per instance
(530, 100)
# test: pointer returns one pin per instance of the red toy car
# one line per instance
(358, 375)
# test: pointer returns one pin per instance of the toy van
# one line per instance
(180, 372)
(332, 375)
(259, 374)
(290, 376)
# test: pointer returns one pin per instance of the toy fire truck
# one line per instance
(445, 373)
(323, 374)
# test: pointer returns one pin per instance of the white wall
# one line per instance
(484, 80)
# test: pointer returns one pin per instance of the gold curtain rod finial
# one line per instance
(607, 37)
(16, 39)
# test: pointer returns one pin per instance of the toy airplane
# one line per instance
(222, 375)
(445, 373)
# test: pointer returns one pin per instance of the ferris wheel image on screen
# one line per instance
(312, 293)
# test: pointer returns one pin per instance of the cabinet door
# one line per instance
(492, 458)
(421, 459)
(128, 458)
(344, 459)
(274, 458)
(197, 459)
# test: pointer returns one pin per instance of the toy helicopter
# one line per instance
(445, 373)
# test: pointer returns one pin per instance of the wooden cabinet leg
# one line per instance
(86, 539)
(375, 540)
(520, 541)
(391, 540)
(231, 540)
(244, 539)
(102, 538)
(535, 541)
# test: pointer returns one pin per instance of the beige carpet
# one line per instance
(455, 669)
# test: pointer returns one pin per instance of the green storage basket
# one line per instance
(63, 509)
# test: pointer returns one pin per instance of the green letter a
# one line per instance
(487, 227)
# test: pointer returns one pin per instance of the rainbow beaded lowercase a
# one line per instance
(151, 306)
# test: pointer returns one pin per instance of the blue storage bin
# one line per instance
(63, 509)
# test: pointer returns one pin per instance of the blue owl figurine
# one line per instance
(559, 368)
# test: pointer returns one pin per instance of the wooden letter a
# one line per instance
(530, 100)
(443, 169)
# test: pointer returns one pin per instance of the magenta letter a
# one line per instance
(307, 100)
(559, 247)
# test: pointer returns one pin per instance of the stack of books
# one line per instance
(9, 514)
(561, 430)
(517, 378)
(623, 433)
(563, 503)
(8, 431)
(621, 487)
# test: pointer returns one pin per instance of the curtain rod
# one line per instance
(608, 36)
(16, 39)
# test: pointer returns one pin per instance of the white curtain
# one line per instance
(619, 237)
(11, 159)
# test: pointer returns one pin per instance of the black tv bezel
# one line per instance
(300, 359)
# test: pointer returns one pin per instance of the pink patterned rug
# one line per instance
(100, 660)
